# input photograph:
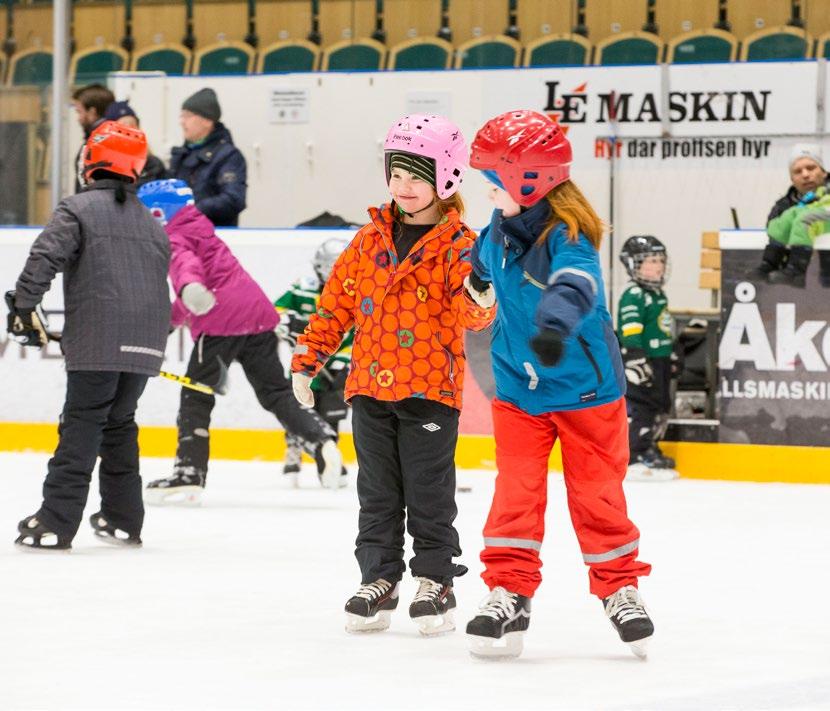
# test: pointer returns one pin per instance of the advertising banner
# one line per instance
(774, 355)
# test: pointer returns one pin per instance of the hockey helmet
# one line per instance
(528, 152)
(326, 255)
(634, 252)
(164, 198)
(116, 148)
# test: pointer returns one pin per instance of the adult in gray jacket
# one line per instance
(114, 257)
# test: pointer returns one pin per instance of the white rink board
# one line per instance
(34, 386)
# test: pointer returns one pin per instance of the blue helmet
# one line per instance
(164, 198)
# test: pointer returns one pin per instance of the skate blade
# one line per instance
(507, 647)
(115, 541)
(330, 476)
(293, 479)
(29, 548)
(376, 623)
(640, 472)
(640, 648)
(433, 625)
(174, 496)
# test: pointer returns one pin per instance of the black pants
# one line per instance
(406, 459)
(259, 359)
(98, 419)
(648, 408)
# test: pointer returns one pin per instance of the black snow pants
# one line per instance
(406, 466)
(648, 408)
(98, 419)
(260, 361)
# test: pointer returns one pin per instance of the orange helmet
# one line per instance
(116, 148)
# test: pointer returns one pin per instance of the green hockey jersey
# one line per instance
(644, 322)
(300, 301)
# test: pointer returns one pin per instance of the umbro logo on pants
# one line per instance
(431, 427)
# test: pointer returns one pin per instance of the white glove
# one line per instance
(821, 214)
(302, 389)
(486, 299)
(638, 371)
(198, 298)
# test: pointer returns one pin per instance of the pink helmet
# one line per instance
(434, 137)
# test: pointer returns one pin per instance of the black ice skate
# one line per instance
(498, 628)
(183, 488)
(35, 536)
(108, 533)
(433, 607)
(627, 613)
(370, 608)
(293, 463)
(654, 459)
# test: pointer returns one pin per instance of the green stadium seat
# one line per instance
(288, 56)
(168, 58)
(823, 46)
(92, 65)
(421, 53)
(354, 55)
(629, 48)
(31, 67)
(488, 52)
(564, 50)
(702, 46)
(224, 58)
(777, 43)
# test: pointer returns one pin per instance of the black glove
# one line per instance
(637, 369)
(290, 327)
(548, 346)
(25, 325)
(477, 282)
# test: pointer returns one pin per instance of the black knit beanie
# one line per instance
(203, 103)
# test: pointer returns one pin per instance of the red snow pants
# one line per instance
(594, 444)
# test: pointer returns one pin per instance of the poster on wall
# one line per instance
(774, 357)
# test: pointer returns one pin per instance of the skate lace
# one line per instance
(625, 605)
(428, 590)
(373, 590)
(499, 604)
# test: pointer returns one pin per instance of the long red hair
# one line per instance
(570, 207)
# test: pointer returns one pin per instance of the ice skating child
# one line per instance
(114, 260)
(294, 307)
(230, 319)
(401, 284)
(645, 333)
(558, 374)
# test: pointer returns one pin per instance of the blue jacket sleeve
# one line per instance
(478, 259)
(573, 284)
(231, 186)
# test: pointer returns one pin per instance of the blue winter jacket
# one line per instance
(217, 173)
(556, 286)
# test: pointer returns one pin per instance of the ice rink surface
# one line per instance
(238, 605)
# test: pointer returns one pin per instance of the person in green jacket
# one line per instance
(795, 220)
(295, 306)
(644, 328)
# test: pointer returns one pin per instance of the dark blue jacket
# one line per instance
(556, 286)
(217, 173)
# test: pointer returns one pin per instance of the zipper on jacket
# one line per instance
(587, 349)
(504, 251)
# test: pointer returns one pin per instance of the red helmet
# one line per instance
(116, 148)
(528, 151)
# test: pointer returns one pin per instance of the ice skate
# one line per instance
(640, 472)
(498, 629)
(370, 608)
(36, 537)
(330, 465)
(627, 613)
(433, 608)
(293, 463)
(183, 488)
(108, 533)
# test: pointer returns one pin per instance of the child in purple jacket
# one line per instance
(230, 318)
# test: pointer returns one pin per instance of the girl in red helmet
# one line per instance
(401, 284)
(114, 258)
(558, 374)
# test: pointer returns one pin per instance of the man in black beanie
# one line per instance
(209, 162)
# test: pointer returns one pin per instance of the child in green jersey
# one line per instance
(644, 329)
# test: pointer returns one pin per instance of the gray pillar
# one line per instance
(60, 82)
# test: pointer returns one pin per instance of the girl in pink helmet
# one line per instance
(403, 283)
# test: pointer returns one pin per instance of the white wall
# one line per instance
(330, 155)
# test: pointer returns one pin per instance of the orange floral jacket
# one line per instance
(409, 317)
